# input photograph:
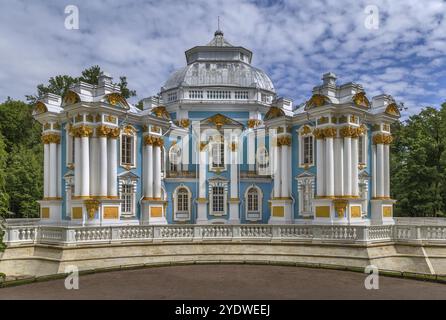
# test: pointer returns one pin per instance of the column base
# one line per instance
(339, 211)
(234, 212)
(153, 212)
(382, 211)
(202, 206)
(95, 212)
(51, 210)
(281, 211)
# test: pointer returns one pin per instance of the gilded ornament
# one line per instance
(40, 108)
(317, 100)
(81, 131)
(330, 132)
(103, 131)
(360, 99)
(318, 133)
(129, 130)
(219, 120)
(116, 99)
(382, 138)
(393, 110)
(274, 112)
(322, 120)
(161, 112)
(114, 133)
(184, 123)
(92, 207)
(71, 98)
(340, 207)
(253, 123)
(305, 130)
(284, 140)
(51, 138)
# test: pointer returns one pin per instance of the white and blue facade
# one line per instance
(216, 145)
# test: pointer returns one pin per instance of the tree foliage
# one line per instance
(60, 84)
(418, 163)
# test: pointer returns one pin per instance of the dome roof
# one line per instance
(219, 64)
(236, 74)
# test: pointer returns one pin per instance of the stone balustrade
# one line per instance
(72, 235)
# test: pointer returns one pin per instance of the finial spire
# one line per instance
(218, 32)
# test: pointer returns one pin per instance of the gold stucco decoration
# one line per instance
(316, 100)
(382, 138)
(274, 112)
(360, 99)
(92, 207)
(253, 123)
(51, 138)
(393, 110)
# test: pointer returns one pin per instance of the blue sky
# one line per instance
(295, 42)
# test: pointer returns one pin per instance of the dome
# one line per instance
(219, 64)
(235, 74)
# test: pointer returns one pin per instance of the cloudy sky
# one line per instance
(295, 42)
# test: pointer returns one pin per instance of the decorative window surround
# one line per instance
(263, 161)
(220, 185)
(182, 211)
(253, 207)
(306, 147)
(217, 154)
(128, 141)
(128, 179)
(306, 190)
(175, 158)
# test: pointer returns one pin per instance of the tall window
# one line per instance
(253, 200)
(218, 200)
(262, 160)
(183, 201)
(127, 150)
(174, 158)
(218, 155)
(308, 150)
(361, 150)
(127, 197)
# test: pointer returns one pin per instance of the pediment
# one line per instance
(219, 120)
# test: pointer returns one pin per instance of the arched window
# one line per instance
(306, 150)
(217, 155)
(174, 158)
(182, 203)
(253, 201)
(128, 147)
(262, 161)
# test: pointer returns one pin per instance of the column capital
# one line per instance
(81, 131)
(352, 132)
(382, 138)
(284, 140)
(51, 138)
(153, 141)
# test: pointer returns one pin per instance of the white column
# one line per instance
(148, 179)
(185, 153)
(202, 174)
(285, 175)
(320, 181)
(339, 166)
(59, 171)
(94, 166)
(374, 173)
(355, 163)
(386, 171)
(329, 167)
(251, 150)
(53, 170)
(112, 167)
(347, 166)
(157, 172)
(85, 166)
(277, 171)
(103, 167)
(379, 170)
(46, 170)
(77, 167)
(234, 175)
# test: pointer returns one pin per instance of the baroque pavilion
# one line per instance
(216, 145)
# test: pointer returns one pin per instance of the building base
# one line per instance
(202, 205)
(339, 211)
(382, 211)
(51, 210)
(281, 211)
(234, 212)
(153, 212)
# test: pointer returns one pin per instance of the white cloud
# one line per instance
(294, 42)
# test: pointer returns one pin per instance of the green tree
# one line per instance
(4, 198)
(24, 181)
(418, 164)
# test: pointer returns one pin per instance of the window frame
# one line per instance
(125, 135)
(182, 215)
(303, 135)
(253, 215)
(131, 198)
